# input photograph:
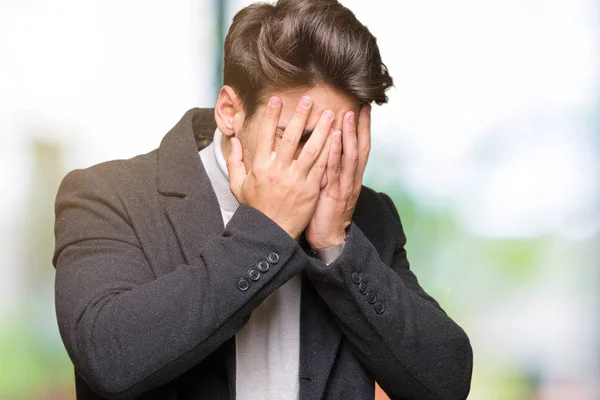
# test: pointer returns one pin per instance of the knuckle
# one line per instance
(352, 157)
(311, 152)
(300, 112)
(320, 164)
(265, 132)
(289, 139)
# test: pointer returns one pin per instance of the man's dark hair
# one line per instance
(302, 43)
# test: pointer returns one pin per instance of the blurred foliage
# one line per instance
(34, 362)
(32, 366)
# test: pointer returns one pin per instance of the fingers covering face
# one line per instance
(350, 150)
(235, 166)
(364, 140)
(267, 131)
(317, 171)
(314, 146)
(293, 132)
(353, 147)
(335, 159)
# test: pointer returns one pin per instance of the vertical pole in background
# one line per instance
(220, 11)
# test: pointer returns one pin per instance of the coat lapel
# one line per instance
(194, 221)
(319, 342)
(191, 204)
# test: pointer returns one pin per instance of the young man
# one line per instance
(272, 275)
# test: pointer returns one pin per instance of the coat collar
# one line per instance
(191, 204)
(194, 213)
(180, 171)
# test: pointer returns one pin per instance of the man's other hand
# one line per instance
(346, 164)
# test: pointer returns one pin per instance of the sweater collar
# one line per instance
(216, 168)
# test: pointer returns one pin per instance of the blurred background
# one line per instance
(490, 147)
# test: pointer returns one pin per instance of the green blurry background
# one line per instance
(489, 146)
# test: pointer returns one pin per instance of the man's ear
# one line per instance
(228, 110)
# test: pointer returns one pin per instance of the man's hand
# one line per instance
(284, 189)
(344, 176)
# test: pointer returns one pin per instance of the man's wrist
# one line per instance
(325, 244)
(329, 254)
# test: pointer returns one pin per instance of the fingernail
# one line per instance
(305, 102)
(351, 117)
(337, 135)
(274, 102)
(328, 115)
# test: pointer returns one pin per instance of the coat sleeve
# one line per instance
(128, 331)
(405, 340)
